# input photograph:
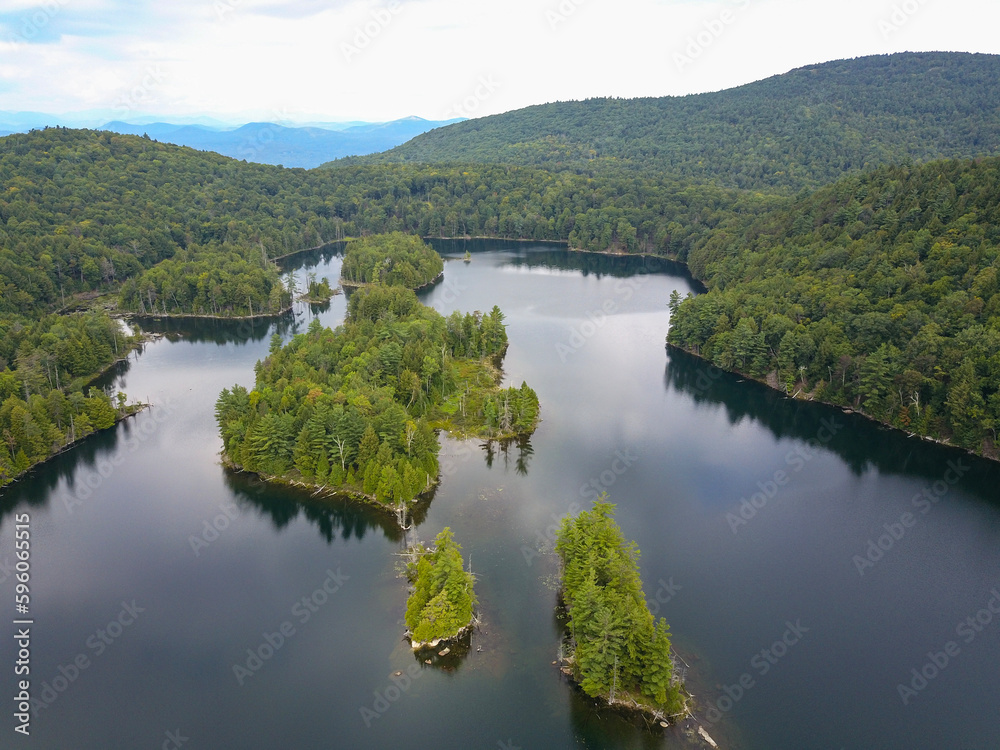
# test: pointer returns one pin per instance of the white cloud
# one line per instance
(361, 60)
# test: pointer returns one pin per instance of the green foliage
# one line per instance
(318, 291)
(82, 211)
(207, 281)
(511, 412)
(442, 601)
(42, 406)
(59, 351)
(394, 259)
(355, 408)
(804, 128)
(879, 292)
(619, 648)
(33, 430)
(873, 292)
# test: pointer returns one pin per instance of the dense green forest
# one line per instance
(442, 601)
(356, 408)
(618, 651)
(395, 259)
(84, 213)
(207, 281)
(82, 210)
(880, 292)
(800, 129)
(60, 351)
(44, 369)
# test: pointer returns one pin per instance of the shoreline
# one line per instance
(499, 239)
(632, 705)
(613, 253)
(362, 284)
(840, 407)
(200, 316)
(138, 409)
(142, 338)
(633, 709)
(319, 300)
(323, 490)
(310, 249)
(442, 641)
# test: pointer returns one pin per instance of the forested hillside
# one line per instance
(803, 128)
(875, 261)
(880, 292)
(81, 210)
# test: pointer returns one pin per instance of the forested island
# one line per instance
(318, 292)
(616, 651)
(391, 259)
(441, 605)
(355, 409)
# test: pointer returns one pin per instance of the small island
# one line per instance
(318, 292)
(616, 651)
(390, 259)
(441, 605)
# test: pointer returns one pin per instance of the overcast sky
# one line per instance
(343, 60)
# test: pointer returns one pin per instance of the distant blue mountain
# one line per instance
(21, 122)
(269, 143)
(264, 142)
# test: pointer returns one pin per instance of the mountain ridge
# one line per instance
(303, 146)
(798, 129)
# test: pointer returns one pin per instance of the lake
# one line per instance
(808, 561)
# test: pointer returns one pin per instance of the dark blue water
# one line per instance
(789, 640)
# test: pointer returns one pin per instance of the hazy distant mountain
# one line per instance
(270, 143)
(21, 122)
(265, 142)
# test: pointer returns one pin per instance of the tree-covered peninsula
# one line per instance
(440, 606)
(355, 409)
(45, 402)
(618, 652)
(208, 282)
(392, 259)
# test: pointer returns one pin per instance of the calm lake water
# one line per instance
(796, 630)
